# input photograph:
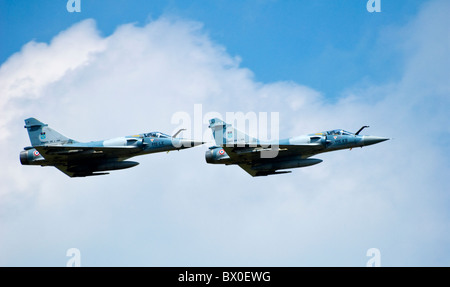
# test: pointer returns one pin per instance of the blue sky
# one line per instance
(301, 41)
(126, 67)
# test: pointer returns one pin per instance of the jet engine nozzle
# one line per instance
(209, 156)
(24, 158)
(216, 155)
(31, 157)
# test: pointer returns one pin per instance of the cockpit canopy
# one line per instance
(339, 132)
(157, 135)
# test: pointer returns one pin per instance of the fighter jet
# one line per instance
(260, 158)
(77, 159)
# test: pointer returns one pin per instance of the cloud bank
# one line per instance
(174, 209)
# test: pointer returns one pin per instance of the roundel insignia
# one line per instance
(221, 152)
(36, 153)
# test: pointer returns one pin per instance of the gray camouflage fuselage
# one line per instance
(78, 159)
(260, 158)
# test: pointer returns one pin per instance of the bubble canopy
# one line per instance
(157, 135)
(339, 132)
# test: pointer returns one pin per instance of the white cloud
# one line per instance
(174, 209)
(26, 75)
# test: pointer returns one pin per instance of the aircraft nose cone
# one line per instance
(196, 143)
(189, 143)
(369, 140)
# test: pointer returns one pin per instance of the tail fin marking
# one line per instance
(41, 134)
(224, 134)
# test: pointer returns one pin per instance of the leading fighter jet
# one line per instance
(77, 159)
(260, 158)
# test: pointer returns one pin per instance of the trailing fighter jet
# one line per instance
(77, 159)
(260, 158)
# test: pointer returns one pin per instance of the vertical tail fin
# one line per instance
(41, 134)
(225, 134)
